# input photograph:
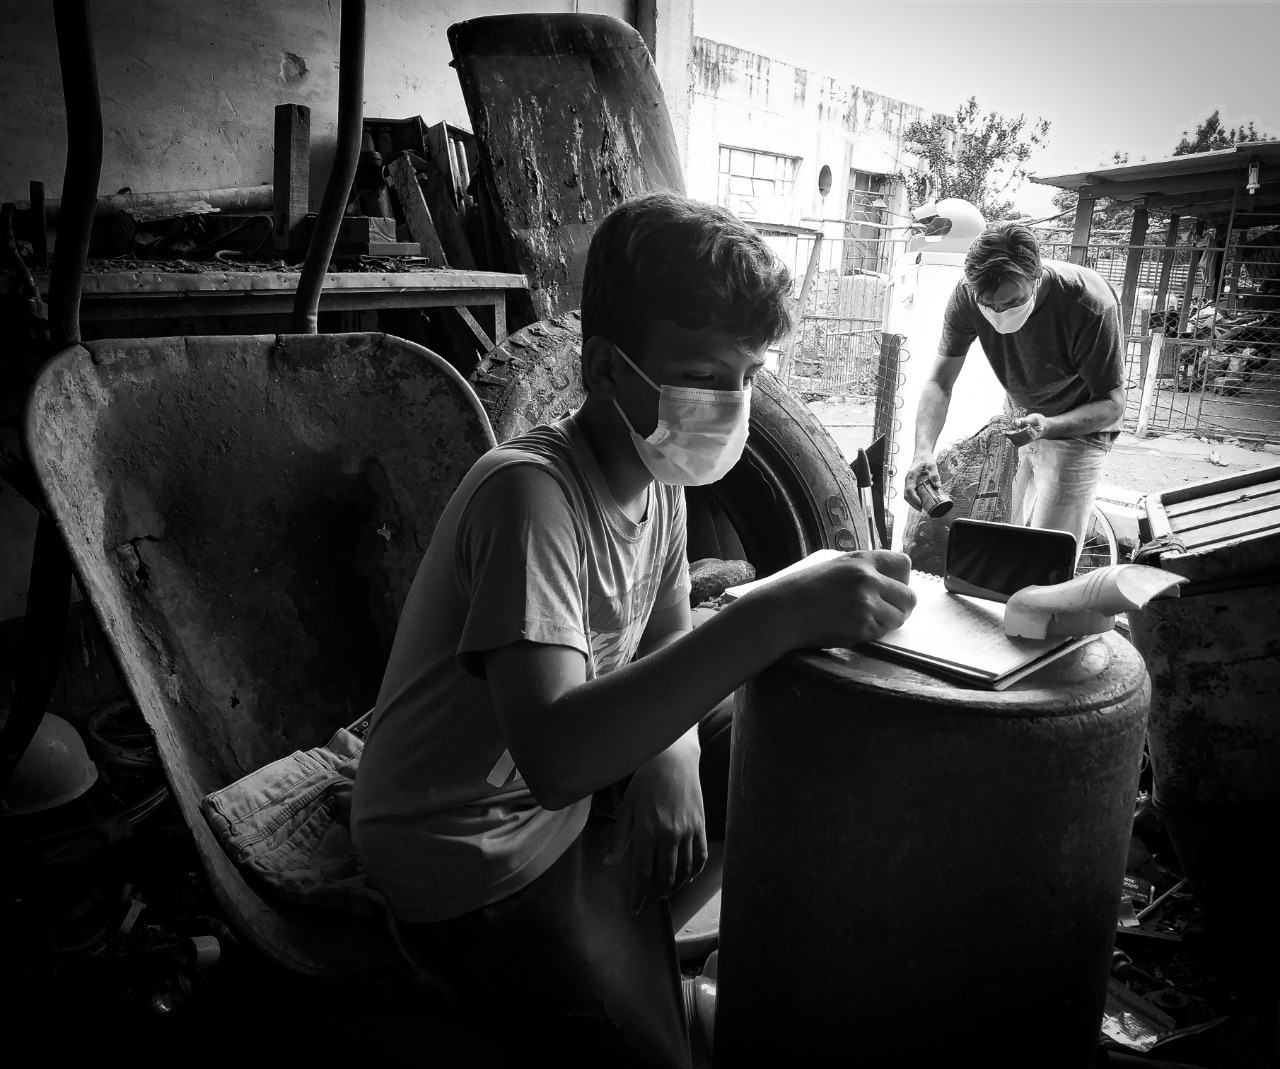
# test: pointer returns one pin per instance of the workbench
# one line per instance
(152, 294)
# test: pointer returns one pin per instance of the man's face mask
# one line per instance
(1011, 319)
(700, 433)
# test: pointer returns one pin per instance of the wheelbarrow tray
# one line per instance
(245, 516)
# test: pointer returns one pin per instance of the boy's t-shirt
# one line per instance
(1067, 353)
(531, 547)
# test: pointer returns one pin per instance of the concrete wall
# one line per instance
(188, 89)
(746, 100)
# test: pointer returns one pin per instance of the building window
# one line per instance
(754, 184)
(867, 210)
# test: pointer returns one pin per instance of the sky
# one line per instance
(1127, 77)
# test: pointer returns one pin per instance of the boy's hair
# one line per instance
(1004, 252)
(664, 256)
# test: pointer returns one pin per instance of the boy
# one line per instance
(545, 656)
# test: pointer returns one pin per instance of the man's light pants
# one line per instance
(1062, 475)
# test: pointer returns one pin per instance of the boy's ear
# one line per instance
(599, 369)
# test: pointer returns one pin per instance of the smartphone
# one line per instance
(996, 560)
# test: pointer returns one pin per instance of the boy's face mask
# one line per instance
(1011, 319)
(700, 433)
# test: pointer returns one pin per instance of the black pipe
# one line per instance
(84, 167)
(306, 302)
(44, 627)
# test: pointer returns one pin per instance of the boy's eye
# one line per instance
(698, 378)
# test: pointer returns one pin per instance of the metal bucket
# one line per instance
(921, 874)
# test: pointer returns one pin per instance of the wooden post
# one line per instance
(1149, 385)
(1193, 264)
(291, 176)
(1080, 236)
(784, 366)
(40, 228)
(886, 385)
(1166, 263)
(1133, 268)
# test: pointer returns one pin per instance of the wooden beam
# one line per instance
(1184, 313)
(417, 216)
(1166, 261)
(437, 188)
(784, 365)
(1132, 268)
(1080, 235)
(292, 176)
(485, 341)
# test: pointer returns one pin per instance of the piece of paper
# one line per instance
(965, 637)
(1088, 603)
(817, 557)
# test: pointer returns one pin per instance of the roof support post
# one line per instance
(1132, 268)
(1080, 236)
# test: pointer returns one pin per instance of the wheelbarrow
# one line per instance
(245, 516)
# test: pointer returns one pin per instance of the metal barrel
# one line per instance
(922, 874)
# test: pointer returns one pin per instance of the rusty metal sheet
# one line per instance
(570, 120)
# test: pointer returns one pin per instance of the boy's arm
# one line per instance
(661, 821)
(570, 737)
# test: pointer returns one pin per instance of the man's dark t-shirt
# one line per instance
(1068, 353)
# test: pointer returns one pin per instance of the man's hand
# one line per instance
(661, 820)
(855, 598)
(1030, 428)
(924, 469)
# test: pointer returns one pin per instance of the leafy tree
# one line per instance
(978, 157)
(1211, 134)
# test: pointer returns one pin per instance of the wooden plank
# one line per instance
(417, 216)
(784, 365)
(436, 188)
(1133, 264)
(291, 176)
(159, 282)
(476, 328)
(203, 303)
(1149, 385)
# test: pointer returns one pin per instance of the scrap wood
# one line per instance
(417, 216)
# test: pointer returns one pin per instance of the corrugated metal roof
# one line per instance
(1207, 183)
(1223, 159)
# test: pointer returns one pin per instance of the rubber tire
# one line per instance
(790, 494)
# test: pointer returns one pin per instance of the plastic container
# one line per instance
(922, 874)
(1214, 658)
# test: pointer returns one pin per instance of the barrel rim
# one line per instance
(919, 690)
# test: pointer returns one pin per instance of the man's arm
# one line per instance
(1091, 416)
(931, 416)
(571, 736)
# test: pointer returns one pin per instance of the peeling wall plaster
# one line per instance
(188, 89)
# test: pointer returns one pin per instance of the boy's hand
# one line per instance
(661, 819)
(854, 598)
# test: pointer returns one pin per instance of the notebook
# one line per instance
(951, 635)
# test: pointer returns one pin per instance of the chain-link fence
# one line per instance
(1214, 300)
(839, 315)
